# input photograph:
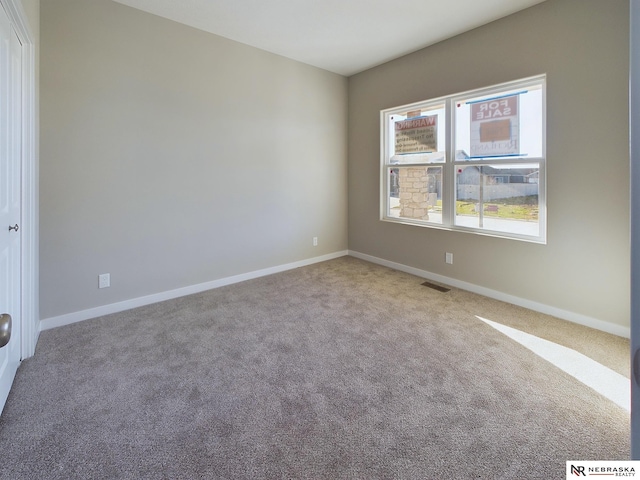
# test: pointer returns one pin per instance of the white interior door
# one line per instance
(10, 201)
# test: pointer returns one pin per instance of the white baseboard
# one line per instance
(74, 317)
(580, 319)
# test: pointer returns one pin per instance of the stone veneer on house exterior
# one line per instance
(413, 192)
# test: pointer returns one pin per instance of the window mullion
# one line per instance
(448, 197)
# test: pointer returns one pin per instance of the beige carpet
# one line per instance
(341, 370)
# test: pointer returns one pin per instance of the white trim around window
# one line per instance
(472, 162)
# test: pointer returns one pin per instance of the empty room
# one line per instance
(303, 239)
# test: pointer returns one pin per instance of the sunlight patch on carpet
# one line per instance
(602, 379)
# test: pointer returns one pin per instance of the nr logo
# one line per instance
(578, 471)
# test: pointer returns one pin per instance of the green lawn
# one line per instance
(516, 208)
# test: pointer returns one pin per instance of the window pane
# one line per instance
(488, 145)
(417, 135)
(504, 124)
(501, 198)
(415, 193)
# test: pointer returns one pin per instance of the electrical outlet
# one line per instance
(315, 241)
(448, 257)
(104, 280)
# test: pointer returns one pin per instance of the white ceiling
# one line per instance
(342, 36)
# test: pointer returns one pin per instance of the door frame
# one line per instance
(634, 137)
(29, 179)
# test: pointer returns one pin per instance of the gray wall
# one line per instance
(32, 10)
(583, 47)
(172, 157)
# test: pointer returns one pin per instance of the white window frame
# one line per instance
(450, 163)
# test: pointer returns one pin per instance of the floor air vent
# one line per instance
(436, 287)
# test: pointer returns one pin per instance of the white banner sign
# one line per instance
(495, 127)
(417, 135)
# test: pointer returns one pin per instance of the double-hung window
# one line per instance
(473, 162)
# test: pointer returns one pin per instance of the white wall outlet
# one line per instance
(315, 241)
(448, 257)
(104, 280)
